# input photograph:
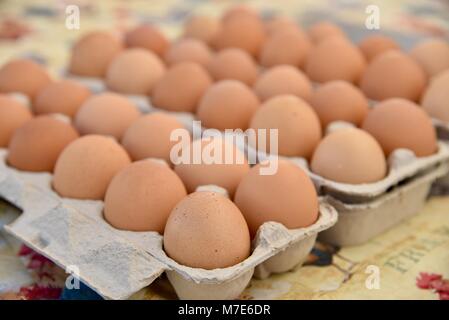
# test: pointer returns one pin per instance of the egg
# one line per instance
(106, 114)
(147, 37)
(285, 47)
(240, 11)
(240, 31)
(432, 55)
(436, 97)
(335, 58)
(298, 126)
(141, 196)
(233, 64)
(134, 71)
(181, 87)
(398, 123)
(24, 76)
(323, 30)
(206, 230)
(149, 136)
(227, 104)
(202, 27)
(288, 196)
(349, 155)
(339, 101)
(36, 145)
(13, 115)
(63, 96)
(279, 24)
(376, 44)
(282, 80)
(212, 165)
(92, 53)
(393, 74)
(86, 167)
(189, 50)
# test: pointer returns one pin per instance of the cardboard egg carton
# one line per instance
(116, 264)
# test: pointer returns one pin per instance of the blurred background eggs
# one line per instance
(13, 114)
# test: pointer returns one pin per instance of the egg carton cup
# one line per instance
(360, 222)
(116, 264)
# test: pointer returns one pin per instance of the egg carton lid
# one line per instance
(117, 263)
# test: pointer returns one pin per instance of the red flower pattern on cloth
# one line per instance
(434, 282)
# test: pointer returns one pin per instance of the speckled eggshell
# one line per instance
(37, 144)
(335, 58)
(202, 27)
(225, 175)
(288, 196)
(376, 44)
(13, 115)
(436, 97)
(233, 64)
(141, 196)
(134, 71)
(432, 55)
(299, 129)
(147, 37)
(399, 123)
(349, 155)
(106, 114)
(393, 74)
(181, 88)
(188, 50)
(280, 80)
(149, 136)
(93, 52)
(64, 96)
(206, 230)
(86, 167)
(227, 104)
(339, 101)
(24, 76)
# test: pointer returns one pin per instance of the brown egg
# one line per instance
(240, 11)
(283, 80)
(335, 58)
(134, 71)
(106, 114)
(432, 55)
(13, 115)
(189, 50)
(92, 54)
(149, 136)
(298, 126)
(339, 101)
(181, 88)
(217, 170)
(203, 28)
(147, 37)
(281, 23)
(242, 32)
(24, 76)
(287, 197)
(436, 97)
(285, 47)
(398, 123)
(141, 196)
(376, 44)
(63, 96)
(227, 104)
(206, 230)
(393, 74)
(350, 156)
(36, 145)
(233, 64)
(323, 30)
(87, 165)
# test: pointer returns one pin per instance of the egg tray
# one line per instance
(116, 264)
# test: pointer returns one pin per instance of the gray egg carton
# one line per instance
(117, 264)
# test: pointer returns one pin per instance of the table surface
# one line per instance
(419, 244)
